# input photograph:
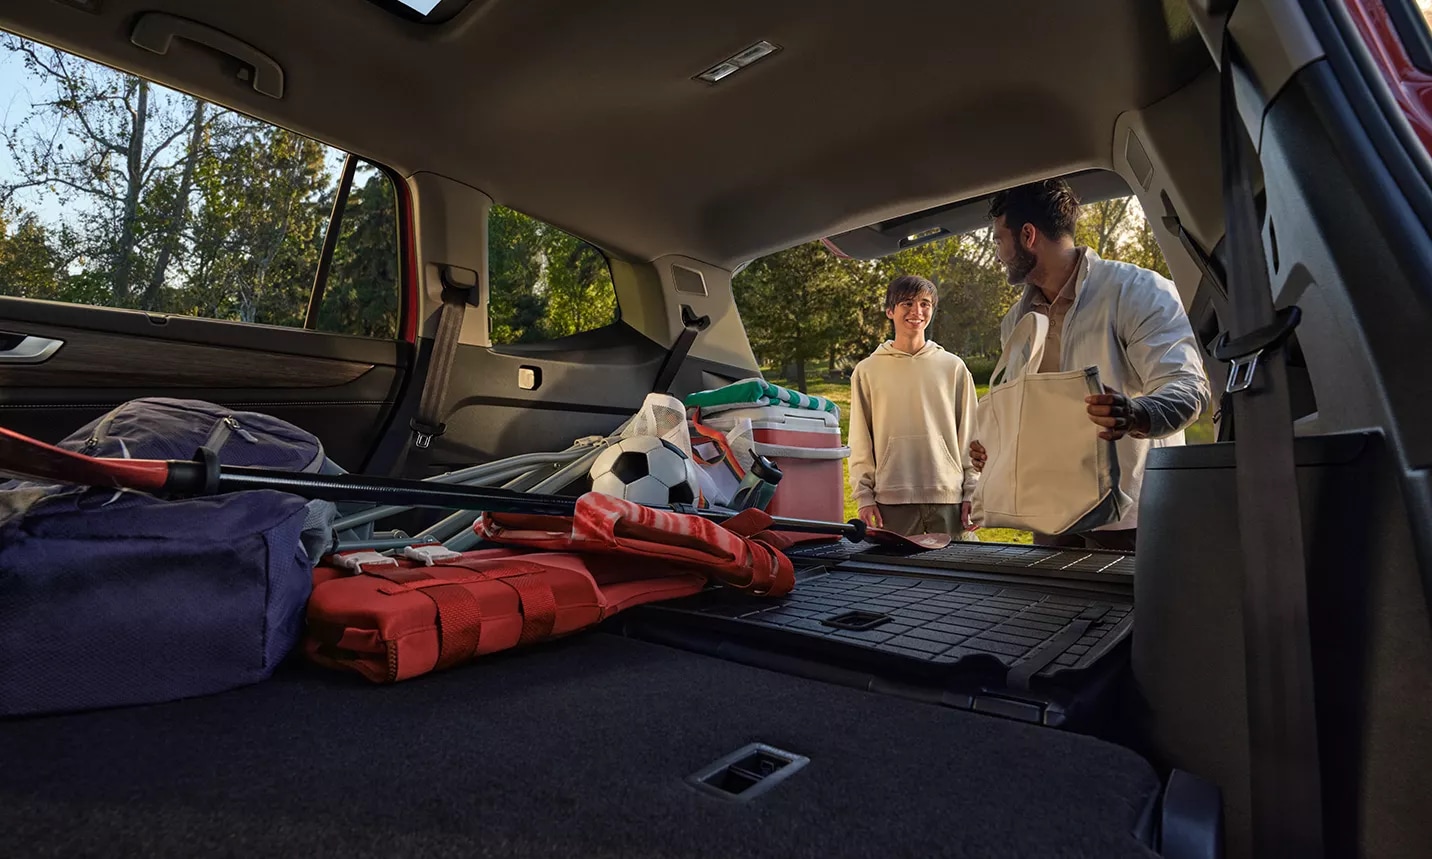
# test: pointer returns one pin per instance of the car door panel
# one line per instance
(341, 388)
(585, 384)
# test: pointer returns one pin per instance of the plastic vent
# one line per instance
(688, 280)
(748, 772)
(1138, 160)
(857, 620)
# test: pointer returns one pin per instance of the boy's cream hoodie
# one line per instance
(912, 418)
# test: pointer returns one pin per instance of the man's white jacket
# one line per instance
(1130, 323)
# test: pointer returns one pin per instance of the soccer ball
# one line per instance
(646, 470)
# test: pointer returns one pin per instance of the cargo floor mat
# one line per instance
(1015, 638)
(581, 747)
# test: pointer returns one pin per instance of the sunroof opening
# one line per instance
(424, 11)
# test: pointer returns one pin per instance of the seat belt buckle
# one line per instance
(1241, 372)
(423, 434)
(1242, 353)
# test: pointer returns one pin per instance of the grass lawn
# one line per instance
(839, 393)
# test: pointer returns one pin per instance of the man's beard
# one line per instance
(1019, 268)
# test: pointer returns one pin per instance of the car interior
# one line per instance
(1198, 713)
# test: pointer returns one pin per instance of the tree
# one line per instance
(796, 305)
(577, 285)
(1103, 225)
(102, 139)
(364, 279)
(259, 225)
(176, 215)
(515, 309)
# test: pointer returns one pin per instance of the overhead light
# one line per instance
(738, 61)
(923, 234)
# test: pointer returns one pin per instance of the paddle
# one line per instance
(26, 457)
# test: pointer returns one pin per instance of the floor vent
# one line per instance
(748, 772)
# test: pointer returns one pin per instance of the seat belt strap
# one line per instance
(427, 423)
(691, 325)
(1282, 718)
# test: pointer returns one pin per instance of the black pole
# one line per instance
(204, 476)
(330, 242)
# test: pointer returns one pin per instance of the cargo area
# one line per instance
(946, 702)
(580, 747)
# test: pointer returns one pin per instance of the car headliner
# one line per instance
(587, 114)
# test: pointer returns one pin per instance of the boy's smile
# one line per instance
(911, 316)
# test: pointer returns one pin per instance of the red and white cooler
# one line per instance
(806, 446)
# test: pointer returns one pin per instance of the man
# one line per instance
(1126, 320)
(912, 415)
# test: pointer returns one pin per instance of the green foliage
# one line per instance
(805, 304)
(545, 283)
(166, 204)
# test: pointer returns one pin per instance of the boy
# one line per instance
(912, 418)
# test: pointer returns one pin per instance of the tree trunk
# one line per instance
(178, 214)
(134, 180)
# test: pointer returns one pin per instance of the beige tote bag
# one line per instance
(1046, 468)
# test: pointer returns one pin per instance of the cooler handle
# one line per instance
(782, 450)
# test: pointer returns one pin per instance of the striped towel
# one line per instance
(755, 393)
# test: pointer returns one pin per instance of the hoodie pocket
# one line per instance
(915, 461)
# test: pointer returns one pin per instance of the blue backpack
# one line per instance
(113, 598)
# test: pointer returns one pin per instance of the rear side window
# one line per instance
(118, 192)
(545, 284)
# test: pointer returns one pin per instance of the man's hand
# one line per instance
(965, 517)
(871, 516)
(977, 455)
(1117, 414)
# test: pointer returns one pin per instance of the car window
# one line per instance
(118, 192)
(545, 283)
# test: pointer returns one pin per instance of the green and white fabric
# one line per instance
(754, 393)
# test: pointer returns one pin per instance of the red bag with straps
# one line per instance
(391, 619)
(740, 552)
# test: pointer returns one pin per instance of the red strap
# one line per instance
(458, 612)
(717, 438)
(459, 624)
(538, 605)
(749, 522)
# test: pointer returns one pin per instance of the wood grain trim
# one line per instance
(95, 359)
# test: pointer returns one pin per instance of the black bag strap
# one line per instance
(427, 424)
(1282, 718)
(691, 325)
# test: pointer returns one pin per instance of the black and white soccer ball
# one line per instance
(646, 470)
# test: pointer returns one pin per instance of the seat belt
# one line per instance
(426, 423)
(1282, 719)
(691, 325)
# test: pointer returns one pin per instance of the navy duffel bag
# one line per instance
(112, 598)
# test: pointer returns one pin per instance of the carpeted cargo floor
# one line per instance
(578, 748)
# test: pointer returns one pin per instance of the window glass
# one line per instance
(544, 283)
(118, 192)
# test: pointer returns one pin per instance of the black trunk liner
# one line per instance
(575, 748)
(1032, 633)
(935, 623)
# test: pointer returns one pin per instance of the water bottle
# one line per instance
(758, 487)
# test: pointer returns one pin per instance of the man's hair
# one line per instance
(1049, 205)
(910, 286)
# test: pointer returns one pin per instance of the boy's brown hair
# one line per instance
(910, 286)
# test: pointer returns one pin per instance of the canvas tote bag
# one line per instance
(1046, 468)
